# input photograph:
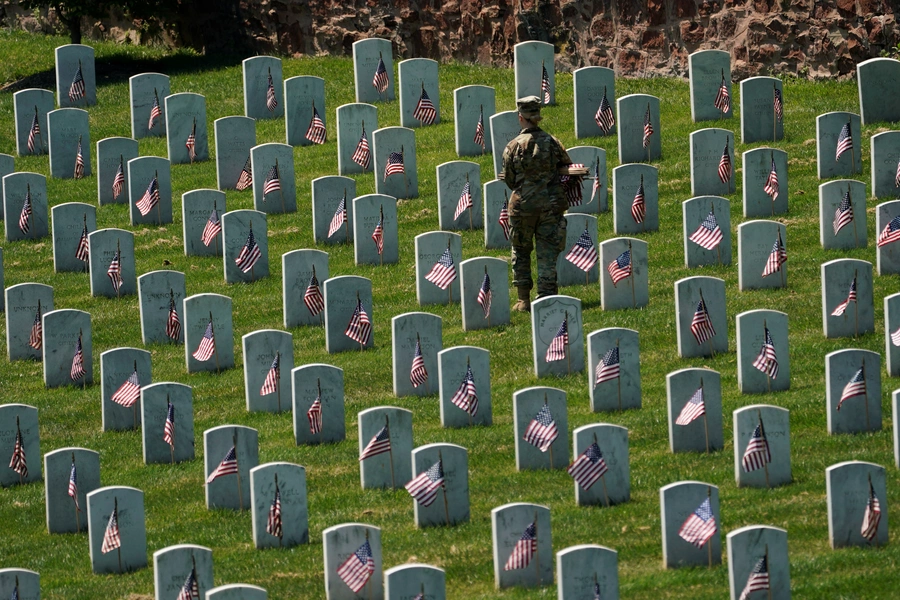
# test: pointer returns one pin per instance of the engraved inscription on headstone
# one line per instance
(17, 188)
(160, 294)
(614, 486)
(20, 425)
(174, 564)
(577, 263)
(624, 284)
(877, 81)
(459, 195)
(202, 226)
(713, 169)
(355, 124)
(343, 541)
(765, 182)
(149, 190)
(407, 580)
(585, 570)
(748, 546)
(706, 227)
(437, 280)
(245, 246)
(450, 504)
(274, 184)
(842, 214)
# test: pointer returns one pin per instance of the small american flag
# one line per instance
(169, 428)
(701, 325)
(723, 98)
(466, 396)
(394, 164)
(545, 84)
(379, 444)
(34, 132)
(245, 180)
(149, 199)
(503, 219)
(443, 273)
(212, 228)
(18, 463)
(228, 466)
(173, 323)
(191, 142)
(25, 215)
(190, 590)
(758, 580)
(155, 111)
(596, 595)
(79, 162)
(855, 387)
(314, 416)
(273, 524)
(583, 254)
(844, 142)
(207, 344)
(844, 214)
(709, 234)
(771, 186)
(425, 111)
(524, 549)
(359, 566)
(361, 154)
(36, 338)
(424, 487)
(76, 90)
(82, 252)
(589, 467)
(250, 254)
(778, 105)
(73, 484)
(271, 102)
(872, 516)
(339, 218)
(381, 81)
(595, 178)
(648, 128)
(112, 539)
(272, 182)
(699, 526)
(118, 185)
(560, 343)
(604, 117)
(270, 385)
(620, 268)
(312, 298)
(316, 131)
(890, 233)
(114, 272)
(542, 431)
(608, 367)
(129, 392)
(767, 361)
(77, 370)
(479, 130)
(757, 454)
(378, 235)
(360, 327)
(777, 257)
(693, 409)
(417, 374)
(465, 201)
(638, 205)
(851, 297)
(485, 295)
(725, 165)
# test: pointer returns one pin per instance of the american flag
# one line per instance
(844, 142)
(76, 90)
(693, 409)
(758, 580)
(559, 344)
(245, 180)
(191, 142)
(112, 539)
(701, 324)
(479, 130)
(190, 590)
(380, 81)
(897, 175)
(173, 324)
(604, 117)
(270, 385)
(361, 154)
(25, 215)
(725, 165)
(890, 233)
(394, 164)
(777, 257)
(597, 592)
(169, 428)
(608, 367)
(583, 254)
(129, 392)
(424, 111)
(314, 416)
(778, 105)
(228, 466)
(273, 524)
(771, 186)
(82, 252)
(79, 162)
(844, 214)
(77, 370)
(417, 374)
(271, 102)
(312, 297)
(620, 268)
(757, 454)
(524, 549)
(316, 131)
(212, 228)
(379, 444)
(542, 431)
(118, 185)
(851, 297)
(466, 396)
(359, 566)
(589, 467)
(73, 484)
(150, 198)
(855, 387)
(207, 345)
(465, 201)
(360, 327)
(272, 182)
(503, 219)
(339, 218)
(723, 98)
(648, 128)
(895, 337)
(766, 361)
(155, 111)
(443, 273)
(34, 132)
(378, 235)
(485, 295)
(424, 487)
(36, 338)
(595, 177)
(18, 463)
(249, 255)
(699, 526)
(114, 272)
(872, 516)
(638, 205)
(545, 84)
(709, 234)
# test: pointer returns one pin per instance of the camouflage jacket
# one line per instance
(530, 163)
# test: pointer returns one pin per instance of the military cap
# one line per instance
(529, 107)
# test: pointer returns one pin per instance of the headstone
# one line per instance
(199, 311)
(407, 580)
(418, 76)
(694, 410)
(127, 504)
(891, 332)
(678, 501)
(877, 82)
(231, 490)
(465, 401)
(328, 193)
(746, 547)
(829, 127)
(888, 254)
(855, 307)
(235, 136)
(238, 247)
(759, 119)
(20, 419)
(633, 111)
(473, 104)
(387, 144)
(591, 85)
(70, 221)
(368, 211)
(586, 570)
(594, 189)
(478, 309)
(701, 316)
(340, 543)
(117, 369)
(324, 383)
(155, 401)
(64, 515)
(415, 336)
(174, 564)
(632, 288)
(271, 163)
(452, 503)
(885, 153)
(142, 173)
(303, 95)
(26, 583)
(531, 417)
(262, 77)
(636, 196)
(708, 71)
(285, 483)
(775, 431)
(197, 218)
(22, 302)
(430, 247)
(765, 195)
(351, 129)
(104, 245)
(186, 116)
(834, 214)
(265, 389)
(712, 162)
(454, 180)
(762, 252)
(555, 351)
(391, 466)
(849, 486)
(762, 368)
(7, 167)
(700, 217)
(114, 153)
(509, 524)
(64, 329)
(145, 91)
(504, 127)
(68, 129)
(496, 199)
(297, 270)
(28, 103)
(534, 68)
(614, 486)
(348, 305)
(616, 383)
(368, 55)
(70, 59)
(159, 293)
(237, 591)
(575, 255)
(853, 391)
(16, 188)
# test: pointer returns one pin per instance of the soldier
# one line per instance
(537, 203)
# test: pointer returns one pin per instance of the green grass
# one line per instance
(175, 509)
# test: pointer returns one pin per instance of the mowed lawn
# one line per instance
(174, 495)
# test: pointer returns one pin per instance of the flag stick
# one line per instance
(134, 406)
(381, 254)
(217, 235)
(238, 468)
(191, 150)
(280, 191)
(781, 266)
(774, 119)
(603, 480)
(768, 377)
(444, 488)
(215, 348)
(18, 438)
(346, 218)
(705, 422)
(253, 265)
(172, 447)
(480, 112)
(84, 220)
(488, 315)
(405, 178)
(619, 379)
(712, 351)
(278, 379)
(319, 388)
(83, 377)
(855, 232)
(769, 586)
(550, 447)
(158, 214)
(387, 423)
(568, 354)
(708, 542)
(118, 287)
(281, 536)
(762, 430)
(361, 349)
(39, 133)
(852, 156)
(855, 310)
(633, 301)
(75, 502)
(537, 562)
(116, 511)
(866, 395)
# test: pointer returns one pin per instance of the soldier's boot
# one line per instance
(524, 303)
(547, 291)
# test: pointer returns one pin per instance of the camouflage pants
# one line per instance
(549, 229)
